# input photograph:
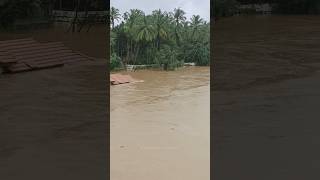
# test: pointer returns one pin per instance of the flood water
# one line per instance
(255, 50)
(160, 127)
(266, 96)
(53, 122)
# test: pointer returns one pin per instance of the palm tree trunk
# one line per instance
(85, 21)
(128, 52)
(177, 37)
(132, 50)
(75, 16)
(136, 52)
(176, 33)
(158, 41)
(194, 30)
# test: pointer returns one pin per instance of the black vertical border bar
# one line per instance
(212, 24)
(108, 91)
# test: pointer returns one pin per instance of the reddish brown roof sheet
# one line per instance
(116, 79)
(28, 54)
(6, 57)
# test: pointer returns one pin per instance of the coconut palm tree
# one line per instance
(114, 15)
(132, 29)
(179, 17)
(146, 32)
(161, 32)
(165, 38)
(196, 21)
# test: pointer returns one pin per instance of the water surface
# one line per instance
(266, 98)
(53, 122)
(160, 127)
(255, 50)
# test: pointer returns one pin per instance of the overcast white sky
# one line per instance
(191, 7)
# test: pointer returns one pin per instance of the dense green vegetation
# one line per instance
(298, 6)
(224, 8)
(230, 7)
(24, 10)
(12, 10)
(161, 38)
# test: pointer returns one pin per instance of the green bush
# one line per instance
(198, 53)
(115, 62)
(168, 58)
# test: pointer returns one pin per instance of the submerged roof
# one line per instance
(116, 79)
(27, 54)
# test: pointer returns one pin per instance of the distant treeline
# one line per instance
(83, 4)
(166, 39)
(231, 7)
(298, 6)
(13, 10)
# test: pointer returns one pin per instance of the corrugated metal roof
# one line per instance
(116, 79)
(27, 54)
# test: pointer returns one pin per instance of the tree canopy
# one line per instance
(163, 38)
(230, 7)
(13, 10)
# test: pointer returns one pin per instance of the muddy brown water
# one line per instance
(256, 50)
(266, 98)
(160, 127)
(53, 122)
